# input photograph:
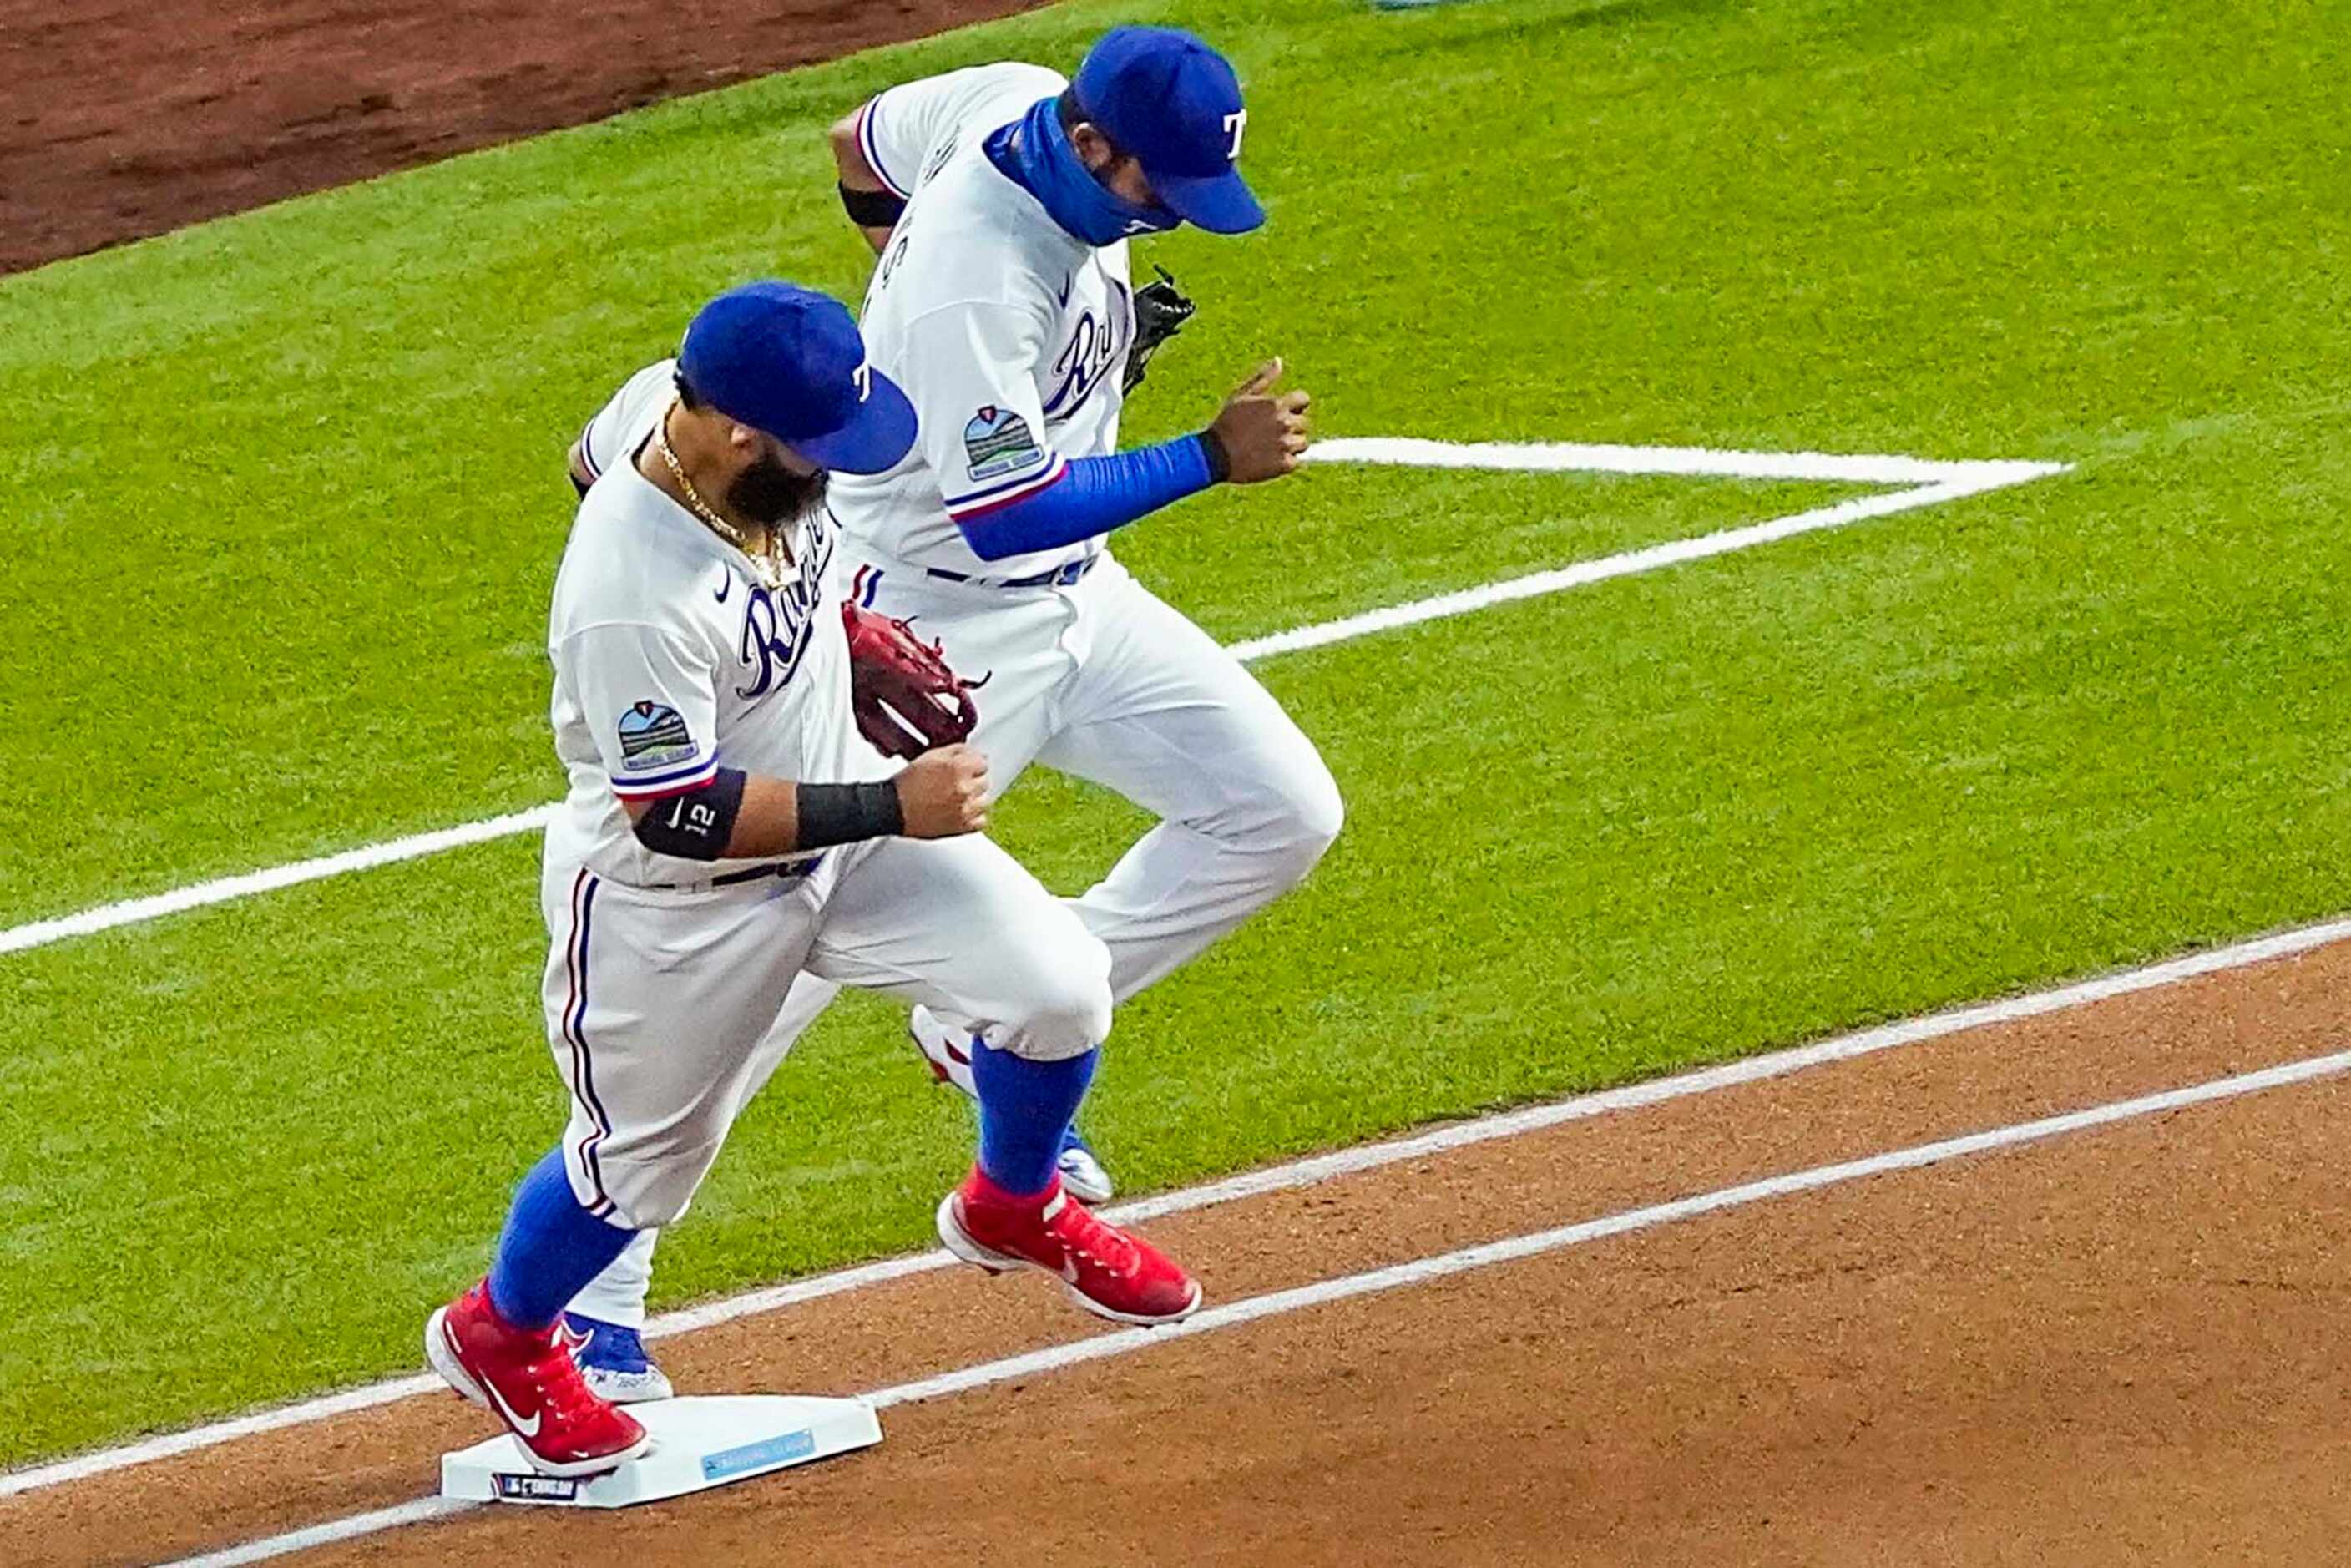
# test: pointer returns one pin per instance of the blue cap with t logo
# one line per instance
(1174, 104)
(791, 361)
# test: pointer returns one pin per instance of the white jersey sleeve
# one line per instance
(603, 441)
(907, 131)
(980, 419)
(650, 697)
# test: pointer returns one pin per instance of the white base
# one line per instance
(698, 1443)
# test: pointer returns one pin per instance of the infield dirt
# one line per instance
(127, 119)
(2121, 1346)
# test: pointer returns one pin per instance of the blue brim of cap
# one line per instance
(875, 441)
(1220, 204)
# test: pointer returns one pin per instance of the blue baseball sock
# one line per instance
(549, 1248)
(1024, 1108)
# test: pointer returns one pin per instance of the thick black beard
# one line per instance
(767, 493)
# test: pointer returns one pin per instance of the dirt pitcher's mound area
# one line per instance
(2119, 1344)
(125, 119)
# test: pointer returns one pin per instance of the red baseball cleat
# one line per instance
(532, 1383)
(1110, 1272)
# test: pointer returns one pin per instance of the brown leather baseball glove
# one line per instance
(907, 700)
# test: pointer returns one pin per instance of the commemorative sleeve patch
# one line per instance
(998, 442)
(653, 735)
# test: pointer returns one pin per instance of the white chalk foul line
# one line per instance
(423, 1510)
(1275, 1178)
(1422, 1270)
(1935, 482)
(1629, 563)
(1686, 461)
(367, 857)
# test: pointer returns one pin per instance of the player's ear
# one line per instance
(1093, 149)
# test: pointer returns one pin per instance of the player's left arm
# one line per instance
(941, 794)
(979, 418)
(651, 696)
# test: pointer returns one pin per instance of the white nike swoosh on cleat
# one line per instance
(522, 1428)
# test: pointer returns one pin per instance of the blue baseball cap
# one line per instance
(791, 361)
(1174, 104)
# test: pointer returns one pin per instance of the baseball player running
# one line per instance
(1001, 200)
(727, 828)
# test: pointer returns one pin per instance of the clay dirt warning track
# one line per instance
(2110, 1344)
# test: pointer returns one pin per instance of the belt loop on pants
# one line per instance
(1062, 576)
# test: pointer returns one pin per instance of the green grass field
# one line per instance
(285, 501)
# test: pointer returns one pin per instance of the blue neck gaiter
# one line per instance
(1034, 153)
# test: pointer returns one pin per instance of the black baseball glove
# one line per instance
(1160, 311)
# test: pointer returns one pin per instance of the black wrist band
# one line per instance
(845, 814)
(1220, 461)
(872, 209)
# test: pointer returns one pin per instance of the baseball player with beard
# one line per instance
(1000, 201)
(727, 829)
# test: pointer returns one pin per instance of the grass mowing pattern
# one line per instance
(286, 506)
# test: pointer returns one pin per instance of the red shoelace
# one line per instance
(554, 1377)
(1092, 1240)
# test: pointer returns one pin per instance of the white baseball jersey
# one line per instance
(671, 658)
(665, 988)
(906, 132)
(984, 306)
(1008, 332)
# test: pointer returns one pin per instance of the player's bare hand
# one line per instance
(943, 792)
(1264, 433)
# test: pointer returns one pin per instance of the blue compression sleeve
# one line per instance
(1025, 1108)
(550, 1248)
(1093, 496)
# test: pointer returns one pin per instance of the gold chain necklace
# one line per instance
(771, 561)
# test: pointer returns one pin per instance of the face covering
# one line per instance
(1034, 153)
(767, 493)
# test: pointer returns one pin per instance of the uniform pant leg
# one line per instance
(1164, 715)
(959, 926)
(955, 924)
(658, 1004)
(618, 1294)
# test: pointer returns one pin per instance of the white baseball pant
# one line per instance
(666, 1007)
(1105, 681)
